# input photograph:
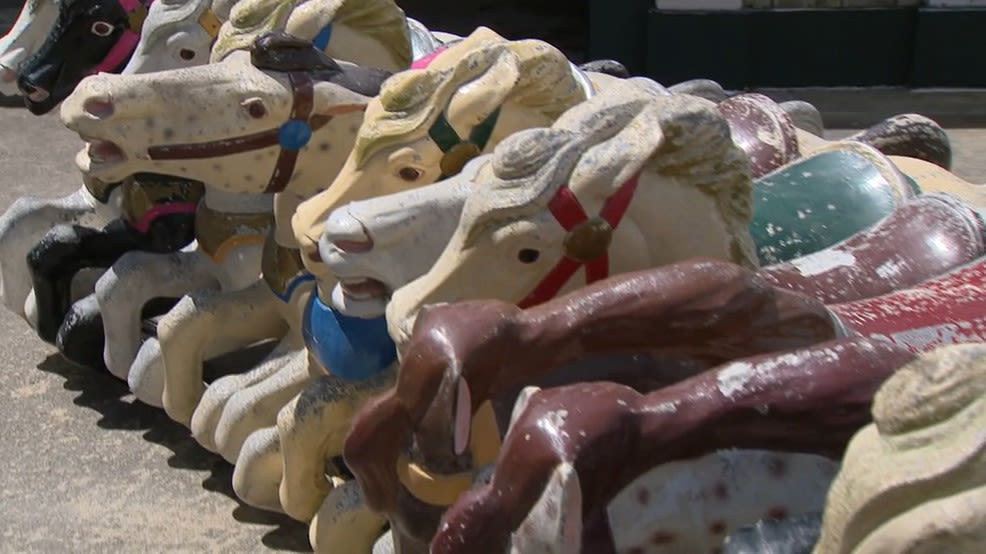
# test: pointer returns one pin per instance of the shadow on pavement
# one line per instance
(106, 394)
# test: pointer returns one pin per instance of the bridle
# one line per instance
(587, 242)
(291, 136)
(456, 151)
(125, 45)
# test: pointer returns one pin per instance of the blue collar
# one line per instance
(347, 347)
(321, 40)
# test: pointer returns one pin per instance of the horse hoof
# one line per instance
(257, 475)
(146, 377)
(80, 337)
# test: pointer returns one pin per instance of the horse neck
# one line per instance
(668, 221)
(322, 159)
(361, 49)
(515, 117)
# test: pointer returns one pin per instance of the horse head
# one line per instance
(23, 40)
(608, 189)
(177, 33)
(274, 127)
(88, 38)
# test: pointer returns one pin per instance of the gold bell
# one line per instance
(588, 240)
(457, 157)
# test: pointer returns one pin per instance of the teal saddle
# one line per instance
(823, 199)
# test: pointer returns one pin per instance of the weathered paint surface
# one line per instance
(816, 202)
(947, 310)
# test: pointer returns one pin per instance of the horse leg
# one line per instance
(248, 314)
(256, 406)
(256, 482)
(56, 259)
(80, 337)
(345, 523)
(130, 283)
(217, 394)
(312, 428)
(23, 225)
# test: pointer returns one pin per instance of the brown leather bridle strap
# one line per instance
(301, 109)
(291, 136)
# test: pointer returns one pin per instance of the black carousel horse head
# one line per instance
(89, 36)
(279, 51)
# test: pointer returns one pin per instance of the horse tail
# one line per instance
(805, 116)
(607, 67)
(911, 135)
(703, 88)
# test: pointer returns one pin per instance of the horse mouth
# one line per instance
(104, 152)
(364, 289)
(38, 95)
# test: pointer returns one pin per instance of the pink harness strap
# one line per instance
(161, 210)
(125, 45)
(422, 63)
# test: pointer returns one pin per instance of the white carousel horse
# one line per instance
(24, 38)
(176, 33)
(140, 276)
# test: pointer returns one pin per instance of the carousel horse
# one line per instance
(159, 217)
(85, 37)
(143, 276)
(450, 387)
(524, 97)
(88, 38)
(927, 444)
(242, 151)
(23, 40)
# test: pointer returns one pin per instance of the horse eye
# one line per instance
(528, 255)
(255, 108)
(101, 29)
(409, 173)
(186, 54)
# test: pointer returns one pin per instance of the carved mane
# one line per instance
(380, 19)
(411, 101)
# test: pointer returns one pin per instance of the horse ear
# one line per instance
(333, 100)
(477, 100)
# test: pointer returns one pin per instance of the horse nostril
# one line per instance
(33, 92)
(7, 75)
(100, 108)
(354, 239)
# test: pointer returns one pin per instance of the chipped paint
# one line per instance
(734, 378)
(823, 262)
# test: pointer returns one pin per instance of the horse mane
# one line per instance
(163, 13)
(248, 19)
(698, 147)
(613, 136)
(410, 101)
